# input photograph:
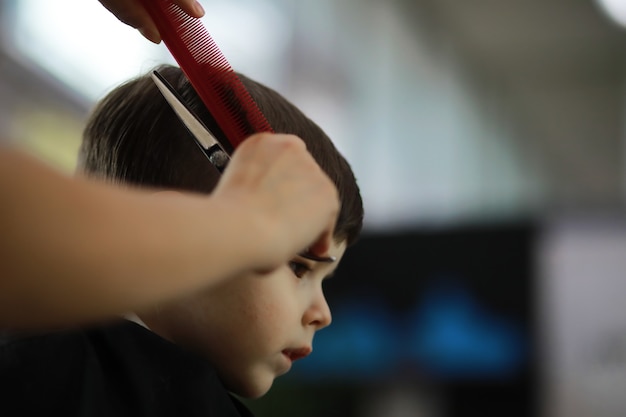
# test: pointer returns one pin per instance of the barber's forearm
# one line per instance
(73, 251)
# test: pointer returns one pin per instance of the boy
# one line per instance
(52, 272)
(183, 357)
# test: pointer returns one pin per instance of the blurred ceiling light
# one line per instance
(615, 9)
(83, 52)
(94, 53)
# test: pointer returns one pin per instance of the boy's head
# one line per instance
(251, 327)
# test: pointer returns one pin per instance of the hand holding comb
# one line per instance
(208, 71)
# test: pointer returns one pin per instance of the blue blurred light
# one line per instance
(451, 336)
(447, 336)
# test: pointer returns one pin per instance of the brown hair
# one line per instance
(134, 137)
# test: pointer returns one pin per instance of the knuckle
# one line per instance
(259, 136)
(292, 145)
(254, 140)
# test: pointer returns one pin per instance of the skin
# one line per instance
(133, 14)
(251, 327)
(75, 251)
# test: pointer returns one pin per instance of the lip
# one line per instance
(297, 353)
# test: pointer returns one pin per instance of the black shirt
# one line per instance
(118, 370)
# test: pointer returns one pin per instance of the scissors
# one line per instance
(206, 141)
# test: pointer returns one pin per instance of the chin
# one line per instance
(250, 390)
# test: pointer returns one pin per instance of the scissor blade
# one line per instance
(203, 136)
(196, 127)
(205, 139)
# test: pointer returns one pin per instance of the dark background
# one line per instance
(446, 315)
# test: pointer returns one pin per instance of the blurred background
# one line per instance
(489, 141)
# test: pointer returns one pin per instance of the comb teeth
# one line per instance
(208, 71)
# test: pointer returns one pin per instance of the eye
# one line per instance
(298, 268)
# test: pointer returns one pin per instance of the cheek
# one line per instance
(268, 304)
(261, 306)
(256, 312)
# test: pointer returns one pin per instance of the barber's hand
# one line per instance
(133, 14)
(281, 186)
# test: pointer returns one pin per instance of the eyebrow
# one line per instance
(312, 257)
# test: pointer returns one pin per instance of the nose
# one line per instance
(318, 313)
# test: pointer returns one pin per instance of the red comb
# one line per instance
(217, 85)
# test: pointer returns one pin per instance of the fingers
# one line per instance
(280, 182)
(322, 245)
(132, 13)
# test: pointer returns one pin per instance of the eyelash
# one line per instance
(299, 269)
